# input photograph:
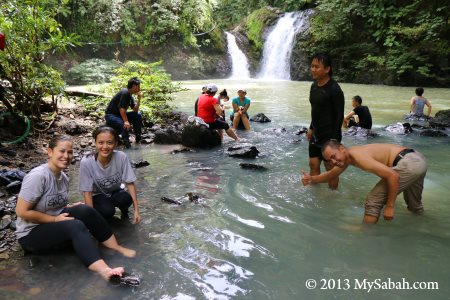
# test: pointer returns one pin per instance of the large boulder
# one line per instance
(441, 119)
(197, 134)
(169, 135)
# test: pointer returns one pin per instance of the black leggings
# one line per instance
(106, 206)
(46, 237)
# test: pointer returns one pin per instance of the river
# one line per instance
(262, 235)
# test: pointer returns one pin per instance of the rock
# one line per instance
(4, 255)
(441, 119)
(7, 151)
(169, 135)
(171, 201)
(14, 187)
(276, 130)
(5, 222)
(140, 164)
(399, 128)
(252, 166)
(359, 132)
(243, 150)
(302, 131)
(146, 141)
(433, 133)
(260, 117)
(184, 149)
(199, 136)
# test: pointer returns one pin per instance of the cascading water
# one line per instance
(278, 45)
(240, 67)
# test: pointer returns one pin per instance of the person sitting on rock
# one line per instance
(102, 174)
(418, 103)
(116, 114)
(209, 110)
(46, 221)
(360, 115)
(239, 113)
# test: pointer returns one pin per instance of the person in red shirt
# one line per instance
(209, 110)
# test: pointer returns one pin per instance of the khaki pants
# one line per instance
(412, 169)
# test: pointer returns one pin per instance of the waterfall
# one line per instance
(238, 59)
(279, 43)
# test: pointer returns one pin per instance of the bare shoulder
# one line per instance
(382, 153)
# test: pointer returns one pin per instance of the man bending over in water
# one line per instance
(400, 169)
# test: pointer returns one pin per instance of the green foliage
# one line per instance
(32, 33)
(405, 40)
(256, 22)
(92, 71)
(156, 87)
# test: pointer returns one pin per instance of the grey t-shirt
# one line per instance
(50, 195)
(105, 180)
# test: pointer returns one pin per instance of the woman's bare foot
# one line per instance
(109, 272)
(126, 252)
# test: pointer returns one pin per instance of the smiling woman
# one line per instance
(102, 174)
(46, 222)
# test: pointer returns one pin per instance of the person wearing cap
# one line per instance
(402, 170)
(239, 113)
(116, 114)
(209, 109)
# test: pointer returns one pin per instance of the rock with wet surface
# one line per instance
(252, 166)
(260, 117)
(243, 150)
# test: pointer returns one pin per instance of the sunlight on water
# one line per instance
(261, 235)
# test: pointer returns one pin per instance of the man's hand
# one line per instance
(388, 213)
(74, 204)
(306, 178)
(137, 217)
(126, 125)
(139, 95)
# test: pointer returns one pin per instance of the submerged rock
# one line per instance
(140, 164)
(260, 117)
(433, 133)
(243, 150)
(441, 119)
(252, 166)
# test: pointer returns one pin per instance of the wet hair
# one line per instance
(358, 99)
(223, 93)
(57, 139)
(419, 91)
(325, 59)
(132, 82)
(103, 129)
(333, 144)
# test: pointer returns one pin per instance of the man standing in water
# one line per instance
(327, 113)
(400, 169)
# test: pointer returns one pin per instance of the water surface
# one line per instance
(261, 235)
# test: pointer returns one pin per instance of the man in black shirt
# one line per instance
(327, 113)
(116, 114)
(360, 115)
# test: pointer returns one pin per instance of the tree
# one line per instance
(32, 33)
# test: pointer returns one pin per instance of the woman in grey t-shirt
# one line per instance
(46, 220)
(102, 174)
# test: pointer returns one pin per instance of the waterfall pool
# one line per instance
(262, 235)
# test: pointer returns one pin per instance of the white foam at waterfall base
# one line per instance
(239, 62)
(279, 43)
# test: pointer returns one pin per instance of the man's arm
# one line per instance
(138, 103)
(412, 104)
(123, 114)
(307, 179)
(218, 109)
(428, 104)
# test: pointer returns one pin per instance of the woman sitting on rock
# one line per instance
(46, 221)
(239, 113)
(102, 174)
(209, 110)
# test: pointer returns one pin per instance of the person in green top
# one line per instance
(239, 112)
